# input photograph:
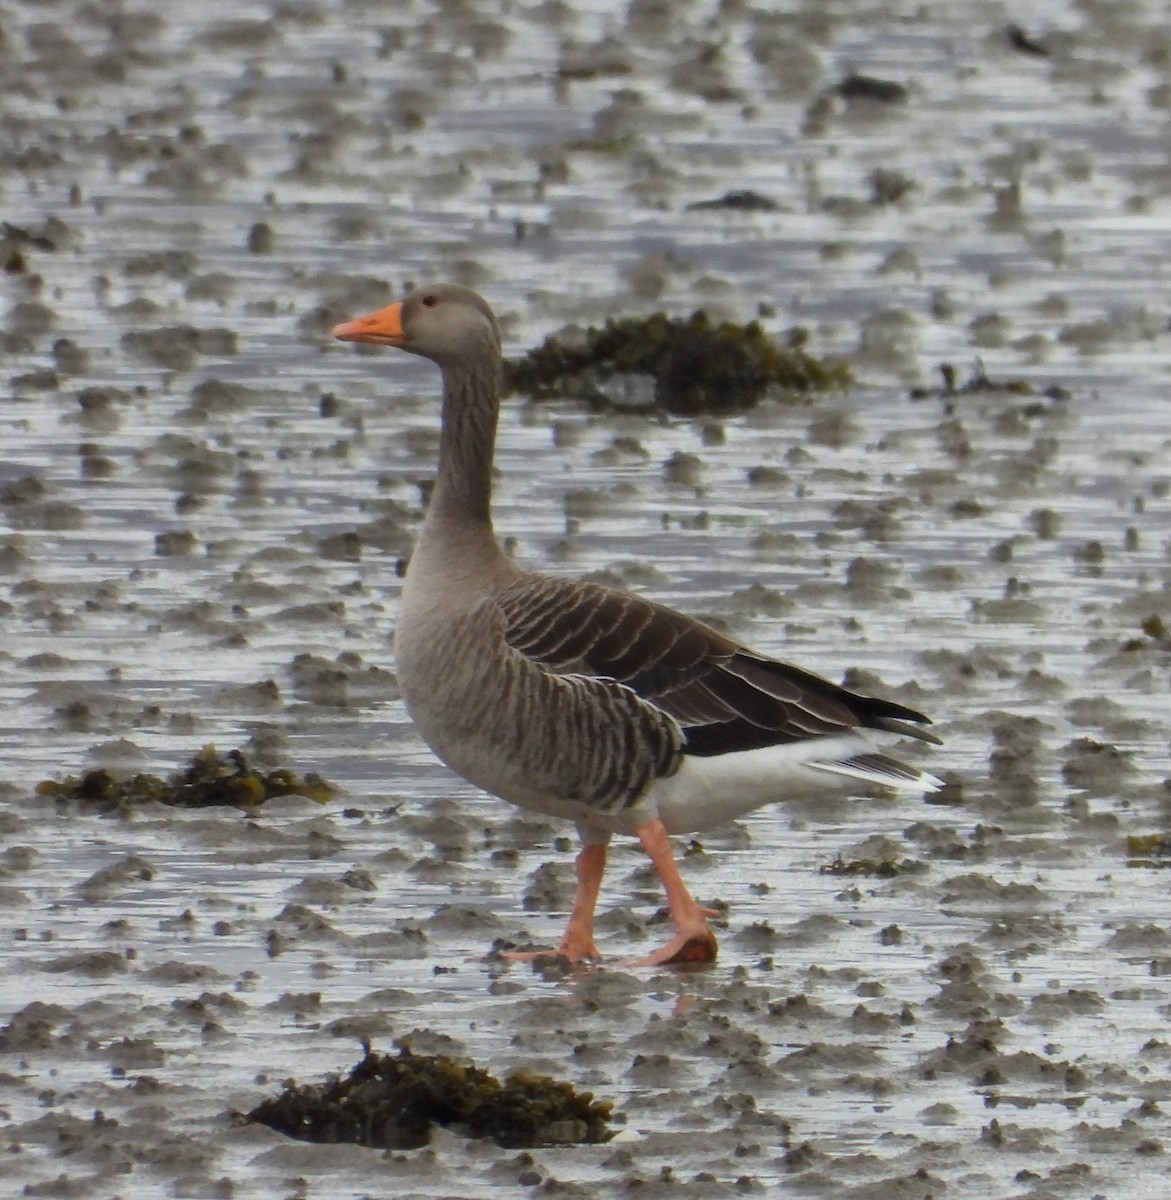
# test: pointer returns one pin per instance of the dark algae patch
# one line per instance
(868, 87)
(1155, 629)
(211, 779)
(740, 200)
(697, 366)
(1148, 850)
(878, 868)
(391, 1102)
(978, 381)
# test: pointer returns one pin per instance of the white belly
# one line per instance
(706, 792)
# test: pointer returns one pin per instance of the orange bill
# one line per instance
(383, 328)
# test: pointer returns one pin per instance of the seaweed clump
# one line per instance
(1157, 634)
(211, 779)
(1148, 850)
(739, 200)
(878, 868)
(697, 366)
(979, 381)
(391, 1102)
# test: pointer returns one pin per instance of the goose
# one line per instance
(585, 702)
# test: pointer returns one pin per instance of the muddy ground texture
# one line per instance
(204, 505)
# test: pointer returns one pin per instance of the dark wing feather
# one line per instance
(723, 695)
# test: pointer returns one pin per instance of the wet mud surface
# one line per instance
(204, 502)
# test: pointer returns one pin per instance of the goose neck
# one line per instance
(471, 408)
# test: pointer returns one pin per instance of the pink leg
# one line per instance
(577, 944)
(694, 941)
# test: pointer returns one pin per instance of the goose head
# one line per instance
(445, 322)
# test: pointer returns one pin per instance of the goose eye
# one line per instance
(430, 301)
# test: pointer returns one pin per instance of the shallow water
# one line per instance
(988, 1022)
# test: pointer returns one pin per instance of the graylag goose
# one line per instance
(581, 701)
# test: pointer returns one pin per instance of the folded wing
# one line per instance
(724, 696)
